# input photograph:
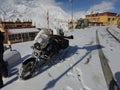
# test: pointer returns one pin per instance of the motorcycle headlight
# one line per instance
(35, 53)
(37, 46)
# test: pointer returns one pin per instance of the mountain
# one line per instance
(35, 10)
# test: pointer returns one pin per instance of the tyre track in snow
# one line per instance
(111, 83)
(107, 29)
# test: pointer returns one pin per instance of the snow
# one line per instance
(112, 48)
(35, 10)
(79, 68)
(23, 30)
(115, 31)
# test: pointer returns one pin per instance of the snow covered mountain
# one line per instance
(35, 10)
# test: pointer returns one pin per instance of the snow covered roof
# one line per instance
(23, 30)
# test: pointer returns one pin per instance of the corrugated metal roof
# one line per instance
(23, 30)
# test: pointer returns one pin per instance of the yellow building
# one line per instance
(102, 19)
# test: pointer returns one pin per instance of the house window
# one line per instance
(98, 19)
(113, 19)
(11, 37)
(19, 36)
(32, 35)
(108, 19)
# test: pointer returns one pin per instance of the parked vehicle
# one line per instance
(43, 53)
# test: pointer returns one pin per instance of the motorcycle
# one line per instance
(42, 54)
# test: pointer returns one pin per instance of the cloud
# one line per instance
(80, 14)
(102, 7)
(30, 2)
(46, 2)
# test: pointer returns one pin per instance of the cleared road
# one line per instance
(111, 83)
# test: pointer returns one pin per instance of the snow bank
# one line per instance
(11, 56)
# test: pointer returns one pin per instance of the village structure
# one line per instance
(21, 31)
(98, 19)
(102, 19)
(18, 31)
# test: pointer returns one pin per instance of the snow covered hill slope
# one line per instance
(79, 67)
(35, 10)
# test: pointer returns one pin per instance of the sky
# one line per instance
(80, 7)
(91, 5)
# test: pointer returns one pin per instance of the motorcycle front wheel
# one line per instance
(28, 68)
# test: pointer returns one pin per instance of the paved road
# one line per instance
(111, 83)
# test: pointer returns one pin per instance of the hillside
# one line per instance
(34, 10)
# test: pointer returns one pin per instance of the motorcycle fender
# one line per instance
(28, 60)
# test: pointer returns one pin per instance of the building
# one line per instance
(71, 24)
(17, 24)
(18, 31)
(102, 19)
(22, 35)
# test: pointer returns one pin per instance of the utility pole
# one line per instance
(47, 19)
(71, 2)
(72, 15)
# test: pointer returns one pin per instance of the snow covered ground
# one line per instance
(79, 67)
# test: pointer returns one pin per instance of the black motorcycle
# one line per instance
(43, 53)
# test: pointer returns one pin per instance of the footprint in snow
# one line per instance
(68, 88)
(79, 74)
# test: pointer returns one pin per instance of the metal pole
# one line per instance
(72, 13)
(48, 19)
